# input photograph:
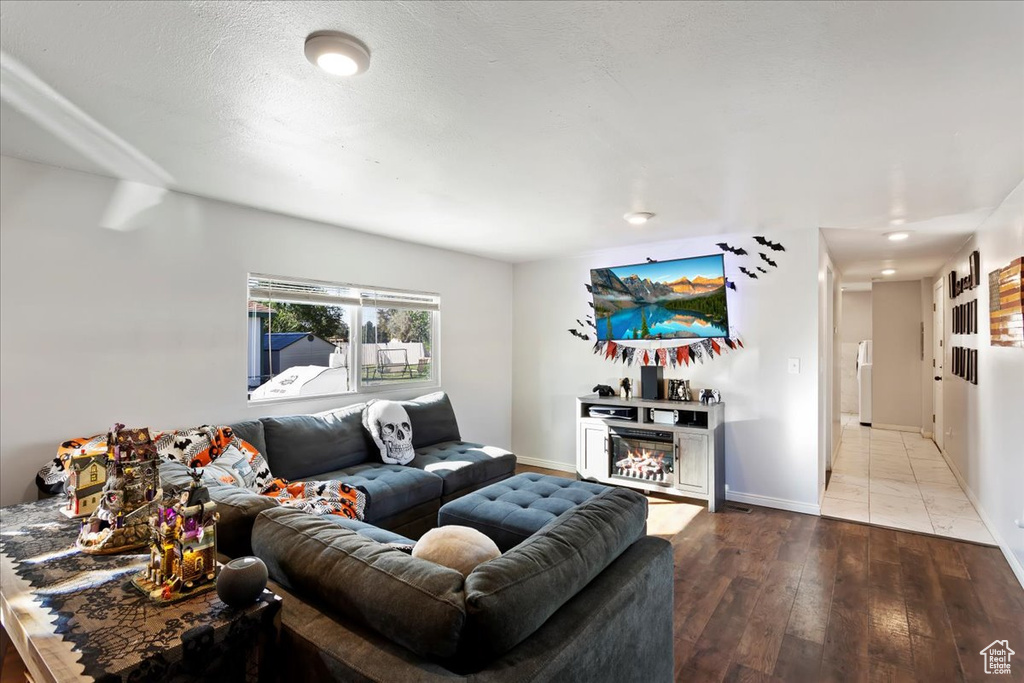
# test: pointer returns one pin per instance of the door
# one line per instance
(594, 452)
(938, 358)
(692, 462)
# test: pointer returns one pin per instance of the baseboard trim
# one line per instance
(926, 435)
(896, 428)
(547, 464)
(769, 502)
(1011, 559)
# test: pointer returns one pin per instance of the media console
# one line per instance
(672, 447)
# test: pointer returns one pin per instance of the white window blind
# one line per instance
(296, 291)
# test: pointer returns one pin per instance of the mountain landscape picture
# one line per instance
(677, 299)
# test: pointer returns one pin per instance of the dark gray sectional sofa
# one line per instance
(588, 597)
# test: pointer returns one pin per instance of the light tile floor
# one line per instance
(898, 480)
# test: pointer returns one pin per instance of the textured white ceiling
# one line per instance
(526, 130)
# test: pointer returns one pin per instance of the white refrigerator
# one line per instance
(864, 381)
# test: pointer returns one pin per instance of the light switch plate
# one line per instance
(794, 366)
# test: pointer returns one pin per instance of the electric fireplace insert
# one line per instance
(642, 454)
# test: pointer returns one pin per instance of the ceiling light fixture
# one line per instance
(897, 236)
(337, 53)
(889, 271)
(897, 221)
(638, 217)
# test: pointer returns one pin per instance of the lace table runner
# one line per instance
(119, 633)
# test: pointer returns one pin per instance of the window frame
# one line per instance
(362, 296)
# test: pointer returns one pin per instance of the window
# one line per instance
(308, 338)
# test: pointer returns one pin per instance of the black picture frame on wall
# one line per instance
(974, 364)
(975, 261)
(951, 278)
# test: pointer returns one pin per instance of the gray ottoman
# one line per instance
(511, 511)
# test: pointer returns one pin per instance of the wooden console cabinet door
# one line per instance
(692, 462)
(595, 451)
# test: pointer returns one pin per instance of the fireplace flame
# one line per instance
(641, 463)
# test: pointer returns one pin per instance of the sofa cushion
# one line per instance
(510, 597)
(238, 510)
(433, 419)
(252, 432)
(513, 510)
(417, 604)
(303, 446)
(463, 465)
(391, 488)
(374, 533)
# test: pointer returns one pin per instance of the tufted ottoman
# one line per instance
(511, 511)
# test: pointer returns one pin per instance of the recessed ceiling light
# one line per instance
(897, 221)
(638, 217)
(337, 53)
(889, 271)
(897, 236)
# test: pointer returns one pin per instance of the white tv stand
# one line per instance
(689, 453)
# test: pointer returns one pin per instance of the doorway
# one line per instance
(938, 360)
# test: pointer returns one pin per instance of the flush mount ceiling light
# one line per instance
(638, 217)
(337, 53)
(897, 221)
(889, 271)
(897, 236)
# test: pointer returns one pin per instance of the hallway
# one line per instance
(898, 480)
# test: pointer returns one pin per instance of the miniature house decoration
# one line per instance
(183, 546)
(87, 474)
(121, 518)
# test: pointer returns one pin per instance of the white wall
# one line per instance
(829, 315)
(856, 323)
(147, 327)
(854, 327)
(984, 432)
(896, 336)
(772, 430)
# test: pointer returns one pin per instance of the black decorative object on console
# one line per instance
(650, 381)
(603, 390)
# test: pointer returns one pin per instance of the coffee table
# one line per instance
(74, 616)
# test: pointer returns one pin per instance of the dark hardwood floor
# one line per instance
(779, 596)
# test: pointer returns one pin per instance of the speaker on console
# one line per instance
(650, 381)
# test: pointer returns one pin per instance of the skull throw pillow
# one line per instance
(389, 425)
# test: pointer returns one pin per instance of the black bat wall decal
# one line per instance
(730, 284)
(580, 335)
(764, 257)
(774, 246)
(739, 251)
(650, 260)
(589, 288)
(748, 273)
(761, 269)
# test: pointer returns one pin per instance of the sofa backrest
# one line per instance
(510, 597)
(433, 419)
(301, 446)
(252, 432)
(417, 604)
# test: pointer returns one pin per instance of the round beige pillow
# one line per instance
(458, 547)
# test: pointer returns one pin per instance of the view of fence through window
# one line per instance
(299, 349)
